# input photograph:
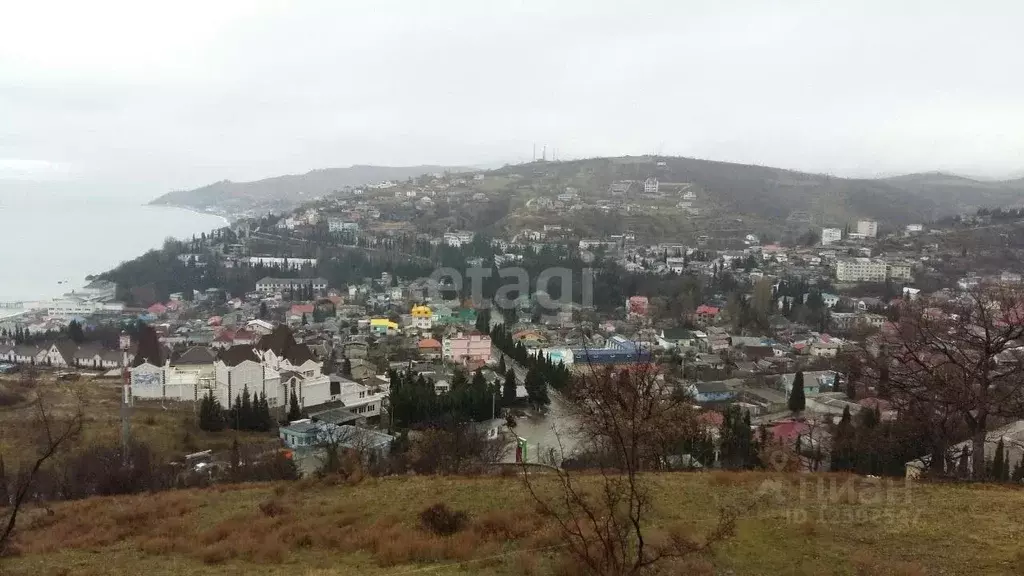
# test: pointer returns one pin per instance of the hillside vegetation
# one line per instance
(372, 527)
(777, 193)
(284, 193)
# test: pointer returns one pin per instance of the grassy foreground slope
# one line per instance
(322, 528)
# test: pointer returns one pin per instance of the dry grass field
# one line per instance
(169, 429)
(789, 524)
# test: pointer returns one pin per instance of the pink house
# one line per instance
(475, 347)
(706, 314)
(157, 309)
(637, 306)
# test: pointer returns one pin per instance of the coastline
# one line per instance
(118, 232)
(227, 221)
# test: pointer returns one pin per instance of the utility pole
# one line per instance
(126, 397)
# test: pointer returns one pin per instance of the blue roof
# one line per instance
(609, 355)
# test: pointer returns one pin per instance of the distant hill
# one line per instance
(777, 193)
(283, 193)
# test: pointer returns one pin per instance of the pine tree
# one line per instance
(999, 462)
(264, 313)
(294, 412)
(304, 320)
(501, 365)
(75, 332)
(346, 368)
(797, 400)
(508, 392)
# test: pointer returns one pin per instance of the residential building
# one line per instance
(815, 382)
(357, 398)
(651, 186)
(860, 270)
(900, 271)
(281, 262)
(457, 239)
(341, 225)
(422, 317)
(830, 235)
(710, 392)
(705, 314)
(277, 366)
(637, 306)
(472, 347)
(270, 285)
(308, 433)
(383, 326)
(429, 348)
(914, 228)
(867, 228)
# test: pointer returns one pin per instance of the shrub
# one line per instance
(441, 520)
(272, 508)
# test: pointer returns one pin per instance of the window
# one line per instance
(371, 407)
(362, 394)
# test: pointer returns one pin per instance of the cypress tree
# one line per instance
(999, 462)
(211, 414)
(294, 412)
(508, 392)
(246, 414)
(797, 399)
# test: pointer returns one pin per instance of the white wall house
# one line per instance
(867, 228)
(830, 235)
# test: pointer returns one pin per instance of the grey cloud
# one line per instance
(256, 89)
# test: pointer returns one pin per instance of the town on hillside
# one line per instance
(330, 318)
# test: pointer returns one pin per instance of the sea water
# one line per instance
(49, 242)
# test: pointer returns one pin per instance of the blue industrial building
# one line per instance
(617, 350)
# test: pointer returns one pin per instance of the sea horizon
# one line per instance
(54, 240)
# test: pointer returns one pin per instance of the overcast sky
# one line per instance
(150, 96)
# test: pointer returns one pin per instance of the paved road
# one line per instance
(543, 431)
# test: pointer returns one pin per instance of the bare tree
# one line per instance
(957, 361)
(455, 448)
(53, 435)
(627, 418)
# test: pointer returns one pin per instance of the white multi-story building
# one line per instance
(279, 262)
(867, 228)
(914, 228)
(830, 235)
(277, 367)
(342, 225)
(860, 270)
(651, 186)
(270, 285)
(902, 271)
(457, 239)
(73, 306)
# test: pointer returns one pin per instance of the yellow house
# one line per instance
(422, 317)
(383, 326)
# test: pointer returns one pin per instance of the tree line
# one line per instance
(247, 412)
